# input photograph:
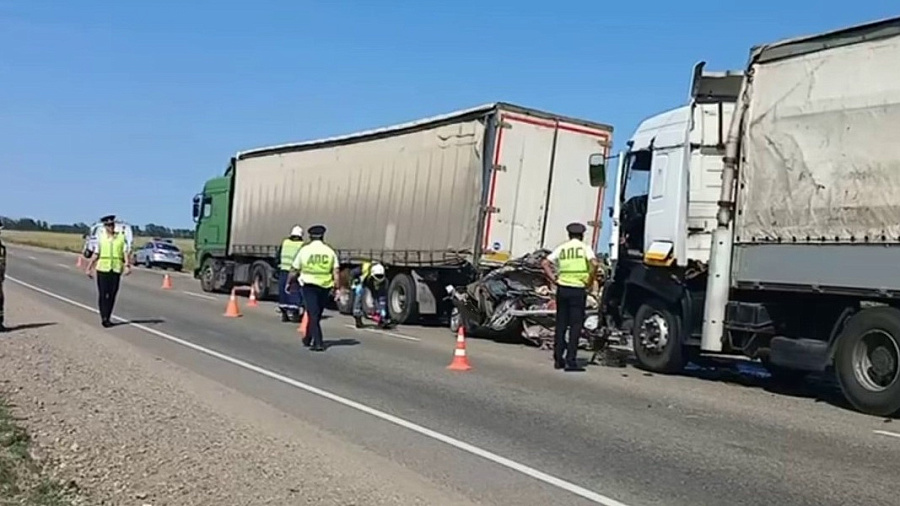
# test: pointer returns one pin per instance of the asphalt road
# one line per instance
(513, 430)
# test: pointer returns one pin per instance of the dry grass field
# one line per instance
(74, 243)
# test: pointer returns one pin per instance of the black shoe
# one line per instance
(574, 368)
(284, 317)
(305, 342)
(317, 347)
(359, 322)
(3, 328)
(106, 324)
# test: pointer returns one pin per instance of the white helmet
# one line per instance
(377, 271)
(297, 231)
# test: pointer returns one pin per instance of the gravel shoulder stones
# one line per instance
(130, 428)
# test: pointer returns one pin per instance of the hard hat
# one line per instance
(378, 270)
(297, 231)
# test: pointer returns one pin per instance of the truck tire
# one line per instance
(401, 299)
(867, 361)
(261, 276)
(656, 336)
(208, 275)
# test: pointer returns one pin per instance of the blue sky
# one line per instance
(127, 107)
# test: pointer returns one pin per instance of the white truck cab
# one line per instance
(669, 177)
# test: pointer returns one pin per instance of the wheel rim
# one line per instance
(208, 275)
(875, 360)
(398, 300)
(654, 333)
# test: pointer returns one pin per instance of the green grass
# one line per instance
(74, 243)
(21, 478)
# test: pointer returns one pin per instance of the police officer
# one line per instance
(371, 276)
(109, 260)
(319, 268)
(2, 279)
(576, 269)
(289, 296)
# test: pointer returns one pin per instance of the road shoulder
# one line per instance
(127, 426)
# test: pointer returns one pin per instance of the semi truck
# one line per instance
(762, 219)
(438, 201)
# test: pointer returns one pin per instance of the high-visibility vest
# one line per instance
(317, 263)
(574, 266)
(111, 250)
(289, 250)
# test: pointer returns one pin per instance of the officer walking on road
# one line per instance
(2, 279)
(289, 296)
(319, 268)
(109, 260)
(576, 269)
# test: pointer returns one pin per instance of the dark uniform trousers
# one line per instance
(107, 289)
(570, 303)
(315, 298)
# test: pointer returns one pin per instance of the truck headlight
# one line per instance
(591, 322)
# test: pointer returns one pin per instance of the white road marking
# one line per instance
(886, 433)
(200, 295)
(384, 332)
(387, 417)
(64, 266)
(30, 257)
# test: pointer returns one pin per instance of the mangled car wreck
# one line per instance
(516, 301)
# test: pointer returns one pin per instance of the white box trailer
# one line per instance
(435, 200)
(796, 264)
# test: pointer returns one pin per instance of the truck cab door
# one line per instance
(615, 221)
(665, 225)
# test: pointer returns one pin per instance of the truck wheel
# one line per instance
(402, 298)
(867, 361)
(208, 275)
(657, 343)
(261, 277)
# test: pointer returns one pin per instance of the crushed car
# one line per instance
(515, 301)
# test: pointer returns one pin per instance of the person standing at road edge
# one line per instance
(2, 279)
(576, 269)
(109, 260)
(318, 266)
(289, 296)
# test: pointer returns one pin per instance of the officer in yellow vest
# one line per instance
(289, 296)
(2, 279)
(576, 269)
(319, 266)
(109, 261)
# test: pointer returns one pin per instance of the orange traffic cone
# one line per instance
(460, 360)
(253, 302)
(167, 282)
(231, 310)
(304, 322)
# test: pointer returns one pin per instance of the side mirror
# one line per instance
(196, 208)
(597, 170)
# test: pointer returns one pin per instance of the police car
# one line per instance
(159, 253)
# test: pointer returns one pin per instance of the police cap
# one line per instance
(109, 219)
(575, 229)
(316, 231)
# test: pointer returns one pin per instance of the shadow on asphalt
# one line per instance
(339, 342)
(140, 321)
(26, 326)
